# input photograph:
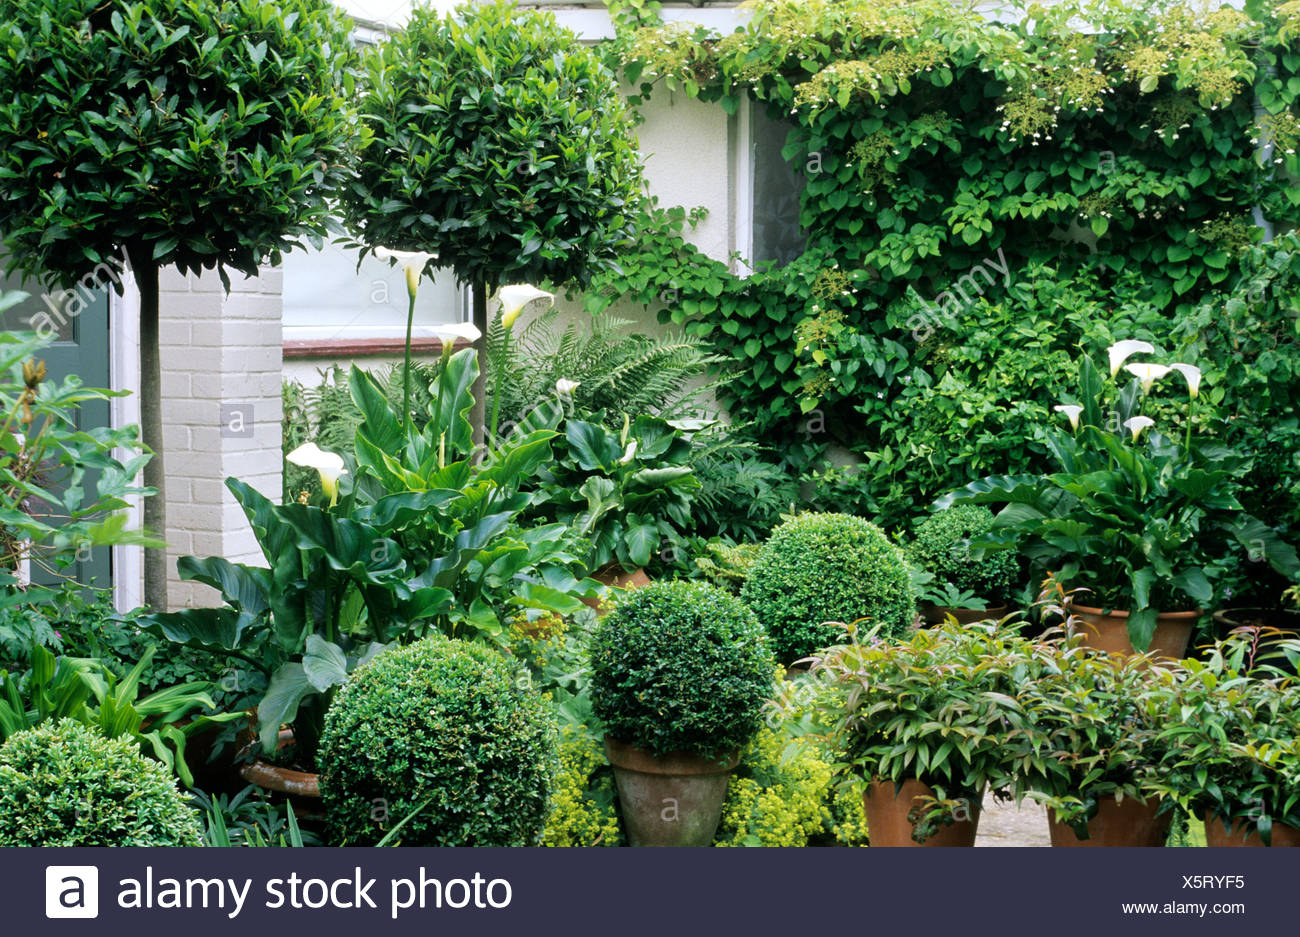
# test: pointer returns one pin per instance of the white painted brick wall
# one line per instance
(217, 349)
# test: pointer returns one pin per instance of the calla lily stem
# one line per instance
(406, 365)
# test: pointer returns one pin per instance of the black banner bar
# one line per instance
(657, 893)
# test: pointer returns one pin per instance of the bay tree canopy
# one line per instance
(499, 141)
(186, 133)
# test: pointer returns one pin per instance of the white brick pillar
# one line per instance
(222, 410)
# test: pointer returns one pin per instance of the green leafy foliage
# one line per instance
(63, 784)
(1095, 731)
(939, 707)
(243, 820)
(497, 140)
(728, 566)
(1148, 526)
(978, 197)
(680, 667)
(446, 727)
(1234, 751)
(777, 794)
(818, 569)
(87, 691)
(628, 492)
(62, 489)
(616, 372)
(194, 134)
(941, 546)
(584, 809)
(422, 538)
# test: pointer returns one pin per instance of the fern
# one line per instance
(617, 373)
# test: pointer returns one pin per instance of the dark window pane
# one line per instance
(777, 187)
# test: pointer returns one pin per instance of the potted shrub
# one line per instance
(1232, 757)
(956, 582)
(680, 672)
(924, 722)
(1092, 743)
(443, 738)
(819, 569)
(1147, 522)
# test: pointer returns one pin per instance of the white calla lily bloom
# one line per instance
(565, 387)
(1137, 424)
(328, 464)
(1193, 375)
(515, 297)
(1148, 374)
(413, 263)
(628, 453)
(1070, 410)
(1122, 351)
(450, 331)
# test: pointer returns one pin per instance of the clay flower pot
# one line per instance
(1127, 823)
(616, 577)
(1108, 631)
(1244, 834)
(887, 810)
(670, 800)
(1273, 625)
(302, 787)
(937, 614)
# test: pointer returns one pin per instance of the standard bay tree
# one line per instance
(186, 133)
(498, 141)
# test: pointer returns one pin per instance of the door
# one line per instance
(81, 348)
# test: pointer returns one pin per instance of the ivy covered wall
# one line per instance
(982, 199)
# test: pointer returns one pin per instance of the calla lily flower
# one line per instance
(565, 388)
(1137, 424)
(1070, 410)
(1193, 375)
(1148, 374)
(328, 464)
(413, 262)
(628, 453)
(1122, 351)
(450, 331)
(515, 297)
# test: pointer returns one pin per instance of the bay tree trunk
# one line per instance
(151, 424)
(478, 415)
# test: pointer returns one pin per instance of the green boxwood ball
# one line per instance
(446, 722)
(681, 667)
(63, 784)
(941, 545)
(819, 568)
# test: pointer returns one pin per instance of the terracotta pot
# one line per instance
(671, 800)
(887, 823)
(1109, 631)
(616, 577)
(1230, 618)
(937, 614)
(1243, 834)
(303, 787)
(1275, 624)
(1127, 823)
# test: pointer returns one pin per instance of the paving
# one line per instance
(1006, 824)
